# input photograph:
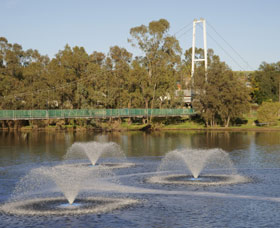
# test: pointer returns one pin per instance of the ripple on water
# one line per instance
(59, 206)
(207, 180)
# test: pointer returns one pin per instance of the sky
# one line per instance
(248, 29)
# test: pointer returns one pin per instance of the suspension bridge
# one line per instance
(141, 113)
(91, 113)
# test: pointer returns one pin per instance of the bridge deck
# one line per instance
(89, 113)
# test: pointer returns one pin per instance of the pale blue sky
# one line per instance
(252, 27)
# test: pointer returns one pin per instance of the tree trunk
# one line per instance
(227, 121)
(128, 106)
(147, 106)
(152, 105)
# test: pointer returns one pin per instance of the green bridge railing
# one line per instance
(90, 113)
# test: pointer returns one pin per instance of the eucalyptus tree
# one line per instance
(11, 65)
(268, 113)
(223, 97)
(64, 71)
(138, 84)
(266, 83)
(104, 91)
(161, 57)
(12, 58)
(120, 81)
(96, 80)
(107, 82)
(35, 81)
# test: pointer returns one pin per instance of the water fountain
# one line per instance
(191, 188)
(111, 152)
(63, 189)
(189, 166)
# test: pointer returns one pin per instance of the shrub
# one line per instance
(268, 113)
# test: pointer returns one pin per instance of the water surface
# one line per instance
(254, 154)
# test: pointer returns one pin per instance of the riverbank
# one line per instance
(157, 124)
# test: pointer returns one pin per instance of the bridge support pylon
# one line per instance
(195, 21)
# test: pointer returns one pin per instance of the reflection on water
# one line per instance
(254, 154)
(251, 147)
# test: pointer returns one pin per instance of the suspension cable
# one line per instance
(181, 29)
(224, 50)
(185, 33)
(229, 45)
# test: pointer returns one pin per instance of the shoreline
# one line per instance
(84, 129)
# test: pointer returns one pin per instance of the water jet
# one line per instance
(111, 153)
(197, 167)
(54, 191)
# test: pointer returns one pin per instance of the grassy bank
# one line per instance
(160, 124)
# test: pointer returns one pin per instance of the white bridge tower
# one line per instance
(195, 21)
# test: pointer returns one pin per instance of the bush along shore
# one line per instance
(159, 78)
(249, 122)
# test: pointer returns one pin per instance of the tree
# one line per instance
(266, 83)
(162, 56)
(223, 97)
(35, 81)
(269, 112)
(121, 82)
(12, 61)
(68, 67)
(96, 83)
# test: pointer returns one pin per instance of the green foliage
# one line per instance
(223, 97)
(265, 83)
(157, 68)
(74, 79)
(268, 113)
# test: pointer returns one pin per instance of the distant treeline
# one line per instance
(74, 79)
